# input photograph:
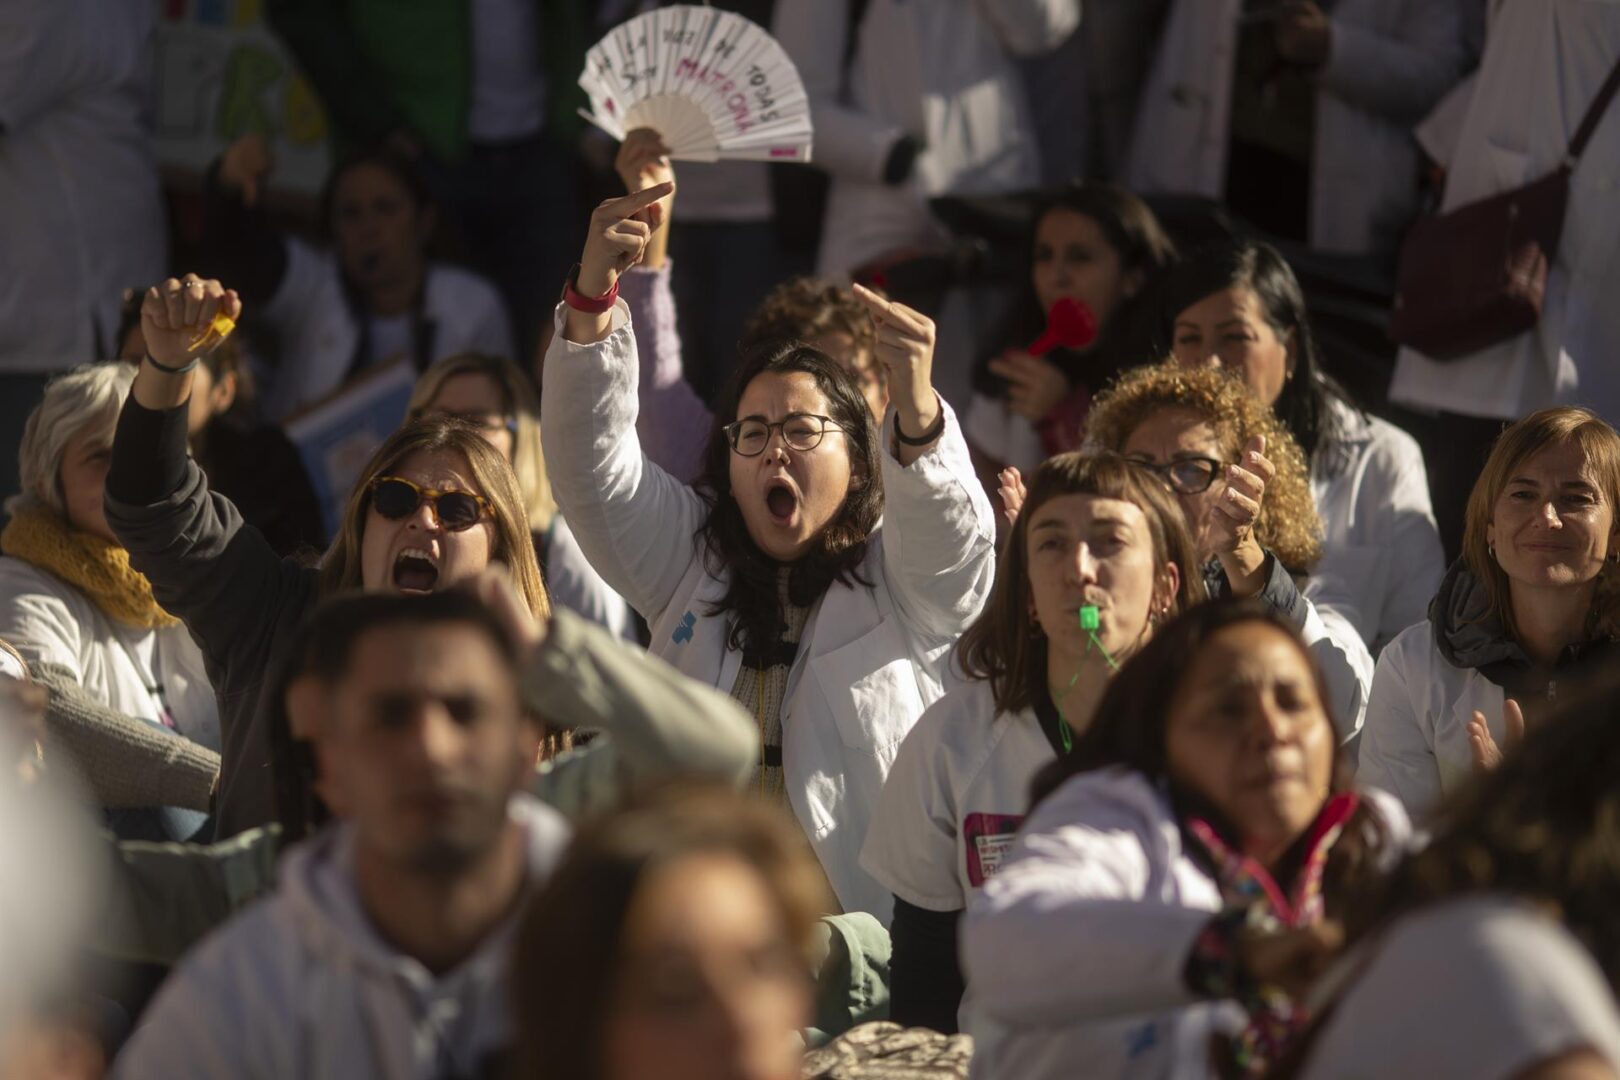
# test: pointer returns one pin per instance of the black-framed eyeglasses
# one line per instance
(801, 431)
(1188, 475)
(396, 498)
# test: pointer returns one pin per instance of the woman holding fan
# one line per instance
(820, 571)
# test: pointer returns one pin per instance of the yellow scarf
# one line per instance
(94, 566)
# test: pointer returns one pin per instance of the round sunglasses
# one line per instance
(396, 498)
(1188, 476)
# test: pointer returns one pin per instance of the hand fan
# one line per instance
(713, 84)
(1069, 325)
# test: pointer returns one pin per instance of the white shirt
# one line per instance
(1544, 61)
(953, 801)
(508, 88)
(1078, 945)
(1002, 435)
(1381, 554)
(81, 214)
(135, 671)
(1477, 988)
(872, 656)
(318, 333)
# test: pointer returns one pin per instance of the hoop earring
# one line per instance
(1491, 549)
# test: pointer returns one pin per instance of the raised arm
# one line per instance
(239, 242)
(206, 567)
(938, 528)
(636, 524)
(674, 422)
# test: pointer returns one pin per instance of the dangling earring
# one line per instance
(1491, 548)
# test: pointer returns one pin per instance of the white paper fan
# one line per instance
(713, 84)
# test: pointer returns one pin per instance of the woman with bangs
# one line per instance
(1529, 614)
(1244, 487)
(820, 571)
(1094, 531)
(435, 505)
(491, 394)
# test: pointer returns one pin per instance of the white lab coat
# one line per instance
(1415, 741)
(1078, 945)
(318, 332)
(1391, 61)
(870, 660)
(1381, 554)
(941, 71)
(1544, 61)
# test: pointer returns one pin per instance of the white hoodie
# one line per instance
(301, 985)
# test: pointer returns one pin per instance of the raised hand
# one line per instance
(495, 589)
(1034, 386)
(1304, 34)
(1487, 755)
(177, 319)
(1232, 518)
(246, 164)
(1010, 486)
(618, 235)
(905, 348)
(643, 162)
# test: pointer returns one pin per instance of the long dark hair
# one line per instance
(751, 590)
(1304, 406)
(1004, 646)
(1134, 233)
(565, 963)
(1129, 731)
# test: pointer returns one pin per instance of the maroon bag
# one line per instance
(1476, 276)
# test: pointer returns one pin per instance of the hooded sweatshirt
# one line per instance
(302, 986)
(1433, 677)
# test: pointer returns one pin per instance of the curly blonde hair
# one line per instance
(1288, 526)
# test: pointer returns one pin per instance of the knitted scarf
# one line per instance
(98, 568)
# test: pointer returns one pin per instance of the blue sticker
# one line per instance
(1142, 1040)
(683, 632)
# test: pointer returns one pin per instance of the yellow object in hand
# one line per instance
(217, 331)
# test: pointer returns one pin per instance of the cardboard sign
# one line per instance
(219, 72)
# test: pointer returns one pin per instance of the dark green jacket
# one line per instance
(382, 66)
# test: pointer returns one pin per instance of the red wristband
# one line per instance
(590, 305)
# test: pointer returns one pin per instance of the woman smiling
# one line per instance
(1527, 614)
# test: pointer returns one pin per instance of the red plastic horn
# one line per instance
(1069, 325)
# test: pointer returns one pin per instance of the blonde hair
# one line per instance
(86, 399)
(519, 401)
(1518, 444)
(1289, 526)
(514, 545)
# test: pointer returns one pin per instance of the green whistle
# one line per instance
(1088, 617)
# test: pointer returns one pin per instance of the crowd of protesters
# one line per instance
(1008, 600)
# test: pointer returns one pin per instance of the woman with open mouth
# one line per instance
(435, 505)
(820, 570)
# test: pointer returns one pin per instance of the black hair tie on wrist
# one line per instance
(934, 431)
(167, 370)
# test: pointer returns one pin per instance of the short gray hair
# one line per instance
(86, 399)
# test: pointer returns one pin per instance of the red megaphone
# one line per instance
(1069, 325)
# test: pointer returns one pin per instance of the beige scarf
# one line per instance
(96, 567)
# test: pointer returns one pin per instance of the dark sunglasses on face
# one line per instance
(801, 431)
(1188, 476)
(397, 498)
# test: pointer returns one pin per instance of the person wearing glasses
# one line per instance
(1238, 306)
(435, 505)
(491, 394)
(819, 570)
(1243, 485)
(1094, 530)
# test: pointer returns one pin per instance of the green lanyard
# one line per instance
(1089, 622)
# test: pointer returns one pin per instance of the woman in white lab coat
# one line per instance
(1238, 306)
(820, 571)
